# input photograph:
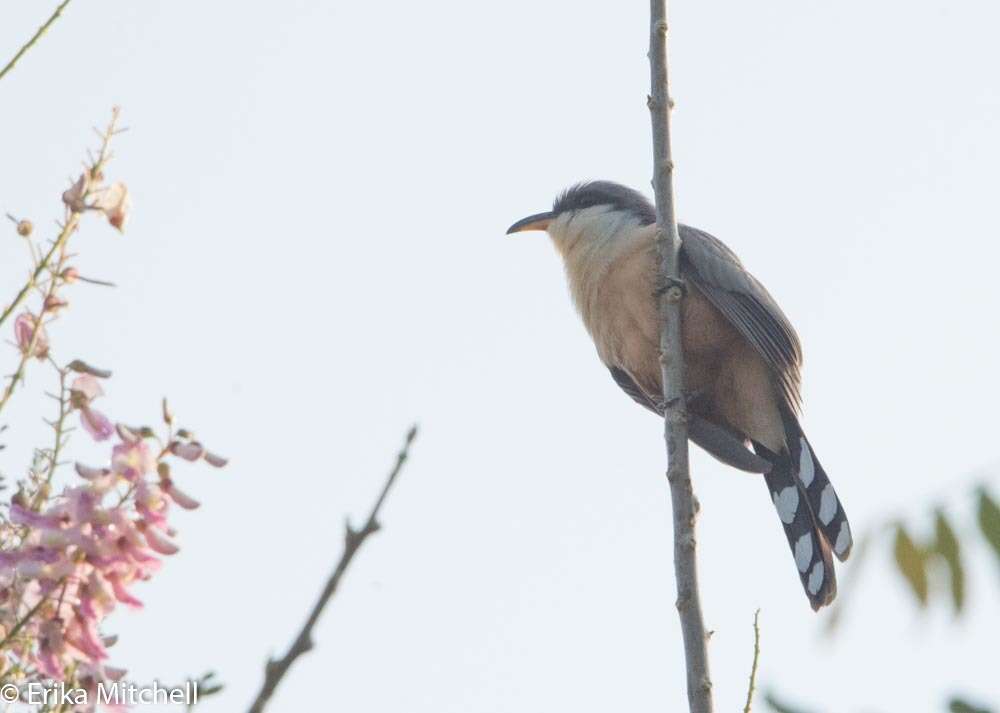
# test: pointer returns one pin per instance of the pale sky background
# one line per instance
(317, 258)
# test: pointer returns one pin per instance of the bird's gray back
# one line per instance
(717, 272)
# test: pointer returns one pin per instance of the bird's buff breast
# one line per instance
(617, 301)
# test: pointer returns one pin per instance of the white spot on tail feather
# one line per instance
(844, 539)
(787, 503)
(827, 505)
(816, 578)
(807, 471)
(804, 552)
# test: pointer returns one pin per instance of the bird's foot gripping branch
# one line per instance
(74, 543)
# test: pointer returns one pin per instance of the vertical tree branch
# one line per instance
(353, 539)
(671, 292)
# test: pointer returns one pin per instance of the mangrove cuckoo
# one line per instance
(741, 356)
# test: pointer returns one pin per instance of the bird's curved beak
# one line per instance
(538, 221)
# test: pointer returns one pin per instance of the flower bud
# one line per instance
(70, 275)
(24, 228)
(215, 460)
(188, 451)
(54, 303)
(89, 473)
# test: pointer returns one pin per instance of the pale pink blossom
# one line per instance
(25, 327)
(132, 460)
(179, 496)
(215, 460)
(116, 204)
(84, 389)
(188, 451)
(88, 386)
(158, 541)
(151, 504)
(83, 551)
(96, 424)
(91, 473)
(74, 196)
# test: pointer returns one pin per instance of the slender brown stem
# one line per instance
(756, 659)
(59, 427)
(276, 669)
(684, 503)
(30, 43)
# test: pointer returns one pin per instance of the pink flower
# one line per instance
(80, 556)
(25, 327)
(215, 460)
(96, 424)
(188, 451)
(150, 503)
(157, 541)
(132, 460)
(116, 204)
(74, 196)
(88, 386)
(178, 495)
(122, 594)
(84, 389)
(23, 516)
(82, 633)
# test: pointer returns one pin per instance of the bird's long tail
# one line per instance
(814, 520)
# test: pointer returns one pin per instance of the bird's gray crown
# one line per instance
(615, 195)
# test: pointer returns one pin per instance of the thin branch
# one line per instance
(671, 292)
(33, 40)
(57, 252)
(59, 245)
(756, 658)
(276, 669)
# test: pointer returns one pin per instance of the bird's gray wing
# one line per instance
(718, 441)
(719, 275)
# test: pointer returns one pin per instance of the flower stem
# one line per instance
(49, 293)
(60, 242)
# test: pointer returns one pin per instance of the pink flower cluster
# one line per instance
(78, 556)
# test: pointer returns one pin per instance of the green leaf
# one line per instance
(957, 705)
(912, 564)
(989, 519)
(947, 545)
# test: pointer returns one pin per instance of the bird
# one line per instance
(742, 357)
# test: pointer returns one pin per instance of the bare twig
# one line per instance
(276, 669)
(30, 43)
(756, 659)
(699, 684)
